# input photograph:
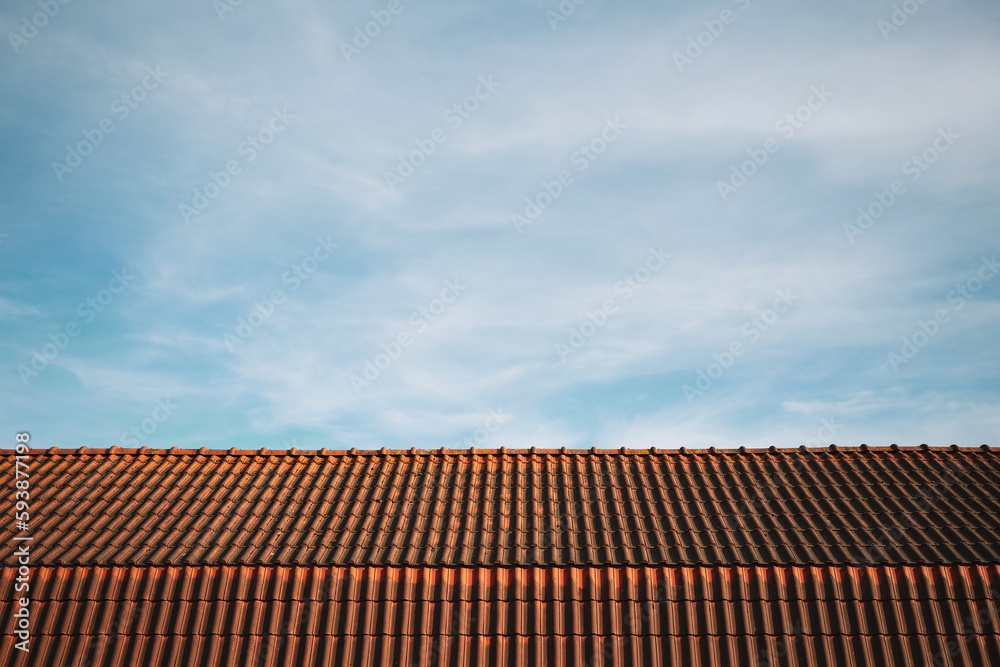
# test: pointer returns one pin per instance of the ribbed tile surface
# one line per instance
(817, 616)
(516, 508)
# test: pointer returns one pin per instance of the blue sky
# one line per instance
(499, 223)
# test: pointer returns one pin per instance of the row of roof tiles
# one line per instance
(398, 584)
(506, 618)
(76, 478)
(429, 505)
(526, 486)
(81, 481)
(456, 532)
(534, 520)
(445, 555)
(959, 650)
(956, 513)
(647, 490)
(819, 514)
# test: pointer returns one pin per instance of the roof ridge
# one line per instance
(503, 451)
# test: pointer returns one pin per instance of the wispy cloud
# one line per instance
(323, 176)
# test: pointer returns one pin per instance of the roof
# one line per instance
(814, 557)
(466, 508)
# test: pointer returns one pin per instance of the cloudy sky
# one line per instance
(417, 223)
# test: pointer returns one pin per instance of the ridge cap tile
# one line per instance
(478, 452)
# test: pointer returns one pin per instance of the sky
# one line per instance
(409, 223)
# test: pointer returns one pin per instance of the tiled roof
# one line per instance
(812, 557)
(456, 508)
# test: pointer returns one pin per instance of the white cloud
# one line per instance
(496, 345)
